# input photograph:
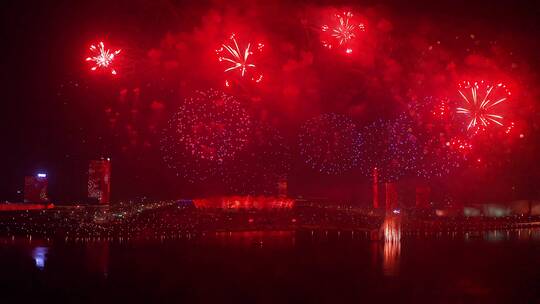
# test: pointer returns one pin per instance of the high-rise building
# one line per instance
(35, 188)
(99, 180)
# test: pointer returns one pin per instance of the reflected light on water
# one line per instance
(391, 230)
(256, 238)
(40, 256)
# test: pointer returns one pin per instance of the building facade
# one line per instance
(99, 180)
(35, 189)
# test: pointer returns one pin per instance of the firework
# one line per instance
(437, 159)
(342, 32)
(460, 145)
(205, 134)
(330, 143)
(392, 147)
(240, 61)
(102, 58)
(490, 131)
(480, 104)
(509, 128)
(432, 124)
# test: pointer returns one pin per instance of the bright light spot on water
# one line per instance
(40, 256)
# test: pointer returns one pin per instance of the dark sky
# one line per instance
(56, 115)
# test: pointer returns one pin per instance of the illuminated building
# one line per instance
(99, 180)
(35, 188)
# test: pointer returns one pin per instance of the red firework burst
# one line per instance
(206, 135)
(102, 58)
(481, 102)
(240, 61)
(342, 32)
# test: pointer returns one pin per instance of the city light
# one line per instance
(40, 256)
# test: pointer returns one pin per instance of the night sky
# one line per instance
(57, 114)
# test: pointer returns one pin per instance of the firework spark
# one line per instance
(206, 133)
(460, 144)
(392, 147)
(240, 61)
(330, 143)
(481, 100)
(432, 125)
(102, 58)
(342, 33)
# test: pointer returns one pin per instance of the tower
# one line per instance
(99, 180)
(375, 188)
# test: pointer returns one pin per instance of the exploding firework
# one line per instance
(437, 158)
(240, 61)
(342, 32)
(433, 127)
(205, 134)
(480, 104)
(489, 123)
(102, 58)
(392, 147)
(330, 143)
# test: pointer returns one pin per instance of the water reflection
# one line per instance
(96, 258)
(256, 238)
(391, 229)
(391, 257)
(391, 235)
(500, 235)
(40, 256)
